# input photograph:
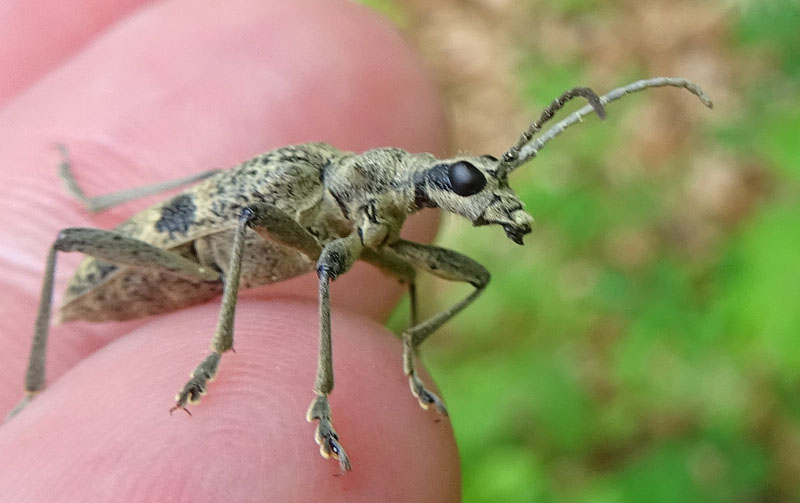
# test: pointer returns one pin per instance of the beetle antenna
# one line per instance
(548, 113)
(526, 147)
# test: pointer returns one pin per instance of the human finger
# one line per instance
(103, 433)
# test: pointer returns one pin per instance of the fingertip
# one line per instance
(247, 440)
(30, 55)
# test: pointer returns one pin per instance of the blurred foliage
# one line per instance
(645, 344)
(390, 9)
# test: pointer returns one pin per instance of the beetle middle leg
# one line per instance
(223, 335)
(266, 220)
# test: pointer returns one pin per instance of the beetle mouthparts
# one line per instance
(515, 234)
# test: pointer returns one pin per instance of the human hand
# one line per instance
(172, 89)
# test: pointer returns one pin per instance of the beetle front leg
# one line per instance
(336, 258)
(446, 264)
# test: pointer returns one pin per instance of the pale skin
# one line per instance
(247, 438)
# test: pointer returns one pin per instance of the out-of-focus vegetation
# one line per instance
(645, 344)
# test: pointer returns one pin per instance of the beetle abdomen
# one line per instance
(101, 291)
(131, 293)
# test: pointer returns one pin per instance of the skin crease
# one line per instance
(164, 91)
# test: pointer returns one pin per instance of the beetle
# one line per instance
(293, 210)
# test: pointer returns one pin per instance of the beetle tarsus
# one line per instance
(426, 398)
(181, 407)
(325, 435)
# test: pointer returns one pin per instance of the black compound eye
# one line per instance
(465, 178)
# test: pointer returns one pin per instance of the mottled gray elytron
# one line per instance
(293, 210)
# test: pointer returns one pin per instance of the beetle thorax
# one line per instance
(374, 191)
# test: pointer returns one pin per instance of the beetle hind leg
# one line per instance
(103, 202)
(196, 386)
(105, 245)
(204, 373)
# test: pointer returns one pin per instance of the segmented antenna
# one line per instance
(527, 147)
(594, 101)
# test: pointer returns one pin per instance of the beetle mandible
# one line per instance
(296, 209)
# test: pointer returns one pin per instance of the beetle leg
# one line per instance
(223, 335)
(272, 223)
(105, 201)
(446, 264)
(388, 261)
(105, 245)
(336, 258)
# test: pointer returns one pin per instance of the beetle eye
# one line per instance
(465, 178)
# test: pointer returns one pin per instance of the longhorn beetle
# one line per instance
(308, 207)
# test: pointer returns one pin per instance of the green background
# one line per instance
(612, 358)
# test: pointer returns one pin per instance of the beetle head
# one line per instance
(475, 188)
